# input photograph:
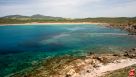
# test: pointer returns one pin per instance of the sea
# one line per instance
(22, 45)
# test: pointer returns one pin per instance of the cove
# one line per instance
(22, 45)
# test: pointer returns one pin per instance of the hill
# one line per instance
(15, 16)
(38, 16)
(16, 19)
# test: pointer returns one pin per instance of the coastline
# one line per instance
(72, 70)
(102, 69)
(92, 65)
(54, 23)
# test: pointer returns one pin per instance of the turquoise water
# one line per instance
(22, 45)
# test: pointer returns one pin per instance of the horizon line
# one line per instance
(73, 17)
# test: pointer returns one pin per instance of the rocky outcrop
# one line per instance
(131, 28)
(93, 61)
(69, 66)
(130, 53)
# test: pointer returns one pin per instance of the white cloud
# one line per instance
(121, 10)
(72, 8)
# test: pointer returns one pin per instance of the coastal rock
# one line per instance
(88, 71)
(68, 75)
(131, 28)
(117, 54)
(71, 73)
(90, 53)
(130, 53)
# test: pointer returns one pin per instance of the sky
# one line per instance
(69, 8)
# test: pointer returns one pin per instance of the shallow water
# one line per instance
(21, 46)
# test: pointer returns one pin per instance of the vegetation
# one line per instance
(50, 66)
(120, 73)
(16, 19)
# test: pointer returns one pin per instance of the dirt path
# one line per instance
(102, 69)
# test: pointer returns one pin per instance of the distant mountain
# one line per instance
(15, 16)
(36, 16)
(135, 17)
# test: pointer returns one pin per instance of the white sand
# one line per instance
(102, 69)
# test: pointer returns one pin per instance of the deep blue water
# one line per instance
(21, 45)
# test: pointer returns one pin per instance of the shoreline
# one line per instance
(54, 23)
(69, 71)
(91, 65)
(102, 69)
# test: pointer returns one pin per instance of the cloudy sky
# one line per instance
(70, 8)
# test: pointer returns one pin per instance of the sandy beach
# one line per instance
(47, 23)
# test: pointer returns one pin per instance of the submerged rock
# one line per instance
(90, 53)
